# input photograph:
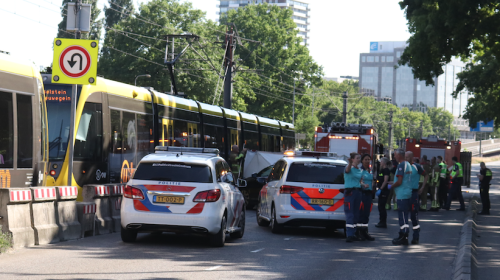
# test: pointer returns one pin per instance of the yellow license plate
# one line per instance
(169, 199)
(321, 201)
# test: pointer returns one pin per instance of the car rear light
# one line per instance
(341, 190)
(52, 173)
(207, 196)
(290, 189)
(284, 217)
(134, 193)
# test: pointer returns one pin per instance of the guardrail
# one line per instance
(485, 149)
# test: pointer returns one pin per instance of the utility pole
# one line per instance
(390, 134)
(421, 129)
(228, 63)
(344, 112)
(293, 107)
(173, 57)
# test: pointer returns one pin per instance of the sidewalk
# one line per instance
(488, 227)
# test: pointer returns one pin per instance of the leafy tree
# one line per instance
(117, 11)
(466, 29)
(95, 25)
(442, 122)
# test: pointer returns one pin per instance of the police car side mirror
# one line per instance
(262, 180)
(242, 183)
(254, 175)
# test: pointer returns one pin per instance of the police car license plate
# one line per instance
(168, 199)
(321, 201)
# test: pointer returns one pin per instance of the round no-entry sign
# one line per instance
(75, 61)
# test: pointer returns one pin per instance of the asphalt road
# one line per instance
(296, 254)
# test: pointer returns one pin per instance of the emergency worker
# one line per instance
(352, 196)
(416, 189)
(392, 196)
(402, 189)
(383, 185)
(235, 159)
(424, 183)
(457, 175)
(366, 199)
(443, 183)
(484, 176)
(434, 184)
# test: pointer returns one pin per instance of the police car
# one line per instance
(184, 190)
(303, 191)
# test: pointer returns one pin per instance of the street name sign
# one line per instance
(75, 61)
(483, 127)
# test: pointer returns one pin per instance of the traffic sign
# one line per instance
(75, 61)
(483, 127)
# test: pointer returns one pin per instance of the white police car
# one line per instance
(303, 191)
(186, 190)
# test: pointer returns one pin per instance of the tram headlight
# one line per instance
(52, 173)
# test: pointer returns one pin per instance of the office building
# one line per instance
(300, 12)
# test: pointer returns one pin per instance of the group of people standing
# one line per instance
(408, 181)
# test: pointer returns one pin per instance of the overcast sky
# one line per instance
(340, 29)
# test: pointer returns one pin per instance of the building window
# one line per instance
(363, 59)
(387, 81)
(398, 54)
(390, 59)
(376, 59)
(382, 58)
(370, 59)
(369, 79)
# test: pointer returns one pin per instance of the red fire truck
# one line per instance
(433, 146)
(343, 140)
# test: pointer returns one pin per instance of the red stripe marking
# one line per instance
(196, 209)
(11, 196)
(302, 202)
(361, 206)
(29, 195)
(139, 206)
(169, 188)
(336, 205)
(328, 194)
(371, 206)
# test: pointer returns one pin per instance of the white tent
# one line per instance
(255, 161)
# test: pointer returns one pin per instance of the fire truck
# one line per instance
(344, 139)
(433, 146)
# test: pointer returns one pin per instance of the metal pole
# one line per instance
(480, 142)
(293, 107)
(390, 134)
(228, 83)
(344, 112)
(421, 129)
(173, 57)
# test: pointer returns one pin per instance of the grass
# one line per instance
(5, 241)
(476, 160)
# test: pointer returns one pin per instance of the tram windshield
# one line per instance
(58, 114)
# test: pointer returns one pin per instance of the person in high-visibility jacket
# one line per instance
(423, 183)
(235, 159)
(434, 184)
(457, 178)
(443, 183)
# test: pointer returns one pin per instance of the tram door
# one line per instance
(167, 136)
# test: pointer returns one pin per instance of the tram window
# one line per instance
(145, 142)
(24, 131)
(88, 141)
(265, 143)
(181, 134)
(213, 137)
(6, 130)
(116, 132)
(58, 114)
(129, 133)
(251, 140)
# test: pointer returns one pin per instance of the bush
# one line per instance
(5, 241)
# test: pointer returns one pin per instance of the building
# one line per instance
(300, 12)
(377, 72)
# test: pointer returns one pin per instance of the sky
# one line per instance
(340, 29)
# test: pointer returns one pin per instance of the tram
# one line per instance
(23, 128)
(117, 124)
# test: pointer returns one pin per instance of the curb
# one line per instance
(465, 264)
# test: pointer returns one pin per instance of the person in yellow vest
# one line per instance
(434, 184)
(443, 182)
(457, 178)
(235, 159)
(428, 171)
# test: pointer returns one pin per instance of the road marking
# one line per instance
(214, 267)
(288, 238)
(258, 250)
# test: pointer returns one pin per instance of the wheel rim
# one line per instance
(273, 217)
(242, 222)
(223, 225)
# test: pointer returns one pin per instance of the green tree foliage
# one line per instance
(467, 29)
(95, 25)
(116, 11)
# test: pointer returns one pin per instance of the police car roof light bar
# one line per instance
(159, 149)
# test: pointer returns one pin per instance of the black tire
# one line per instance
(241, 225)
(128, 235)
(218, 239)
(275, 226)
(345, 231)
(261, 222)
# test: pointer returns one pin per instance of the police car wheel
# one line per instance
(128, 235)
(275, 227)
(261, 222)
(241, 225)
(218, 239)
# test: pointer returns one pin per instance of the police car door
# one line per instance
(223, 181)
(273, 186)
(236, 201)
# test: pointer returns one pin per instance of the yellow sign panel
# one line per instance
(75, 61)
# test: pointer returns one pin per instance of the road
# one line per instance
(298, 253)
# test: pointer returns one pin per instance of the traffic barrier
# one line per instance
(99, 194)
(43, 215)
(15, 216)
(69, 226)
(115, 204)
(86, 217)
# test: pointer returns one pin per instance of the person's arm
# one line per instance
(398, 182)
(386, 181)
(348, 168)
(455, 168)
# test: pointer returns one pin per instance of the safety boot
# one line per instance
(367, 236)
(359, 234)
(414, 241)
(387, 206)
(381, 225)
(395, 206)
(402, 240)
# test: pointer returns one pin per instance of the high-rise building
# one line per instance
(300, 12)
(377, 72)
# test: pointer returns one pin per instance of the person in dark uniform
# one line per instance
(366, 199)
(383, 184)
(457, 175)
(484, 188)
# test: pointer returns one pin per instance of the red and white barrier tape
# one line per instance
(68, 191)
(44, 193)
(89, 209)
(23, 195)
(118, 189)
(101, 190)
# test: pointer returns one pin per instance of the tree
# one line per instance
(466, 29)
(117, 11)
(442, 122)
(95, 25)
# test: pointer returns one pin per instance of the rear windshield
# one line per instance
(316, 172)
(174, 172)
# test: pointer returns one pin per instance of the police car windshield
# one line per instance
(174, 172)
(316, 172)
